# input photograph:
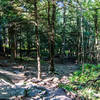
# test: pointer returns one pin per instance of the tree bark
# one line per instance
(81, 34)
(79, 37)
(20, 43)
(96, 37)
(51, 33)
(37, 40)
(63, 33)
(82, 44)
(12, 41)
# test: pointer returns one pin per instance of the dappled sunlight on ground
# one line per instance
(26, 73)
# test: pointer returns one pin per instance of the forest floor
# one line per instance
(25, 73)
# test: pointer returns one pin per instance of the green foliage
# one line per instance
(67, 87)
(22, 13)
(78, 82)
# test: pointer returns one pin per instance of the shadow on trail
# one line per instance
(49, 81)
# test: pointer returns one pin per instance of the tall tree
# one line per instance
(51, 33)
(96, 31)
(37, 39)
(63, 32)
(81, 34)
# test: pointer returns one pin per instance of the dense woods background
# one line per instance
(52, 28)
(43, 30)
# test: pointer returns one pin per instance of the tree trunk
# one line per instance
(81, 34)
(28, 44)
(20, 43)
(4, 40)
(63, 33)
(79, 37)
(37, 40)
(12, 41)
(82, 44)
(96, 38)
(1, 44)
(51, 33)
(49, 29)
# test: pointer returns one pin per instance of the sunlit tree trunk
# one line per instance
(37, 40)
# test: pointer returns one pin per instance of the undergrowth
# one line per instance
(85, 84)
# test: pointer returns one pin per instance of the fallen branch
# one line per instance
(95, 80)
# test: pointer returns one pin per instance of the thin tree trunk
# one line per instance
(79, 36)
(96, 38)
(37, 40)
(82, 44)
(1, 44)
(20, 43)
(63, 33)
(28, 44)
(4, 41)
(12, 42)
(49, 28)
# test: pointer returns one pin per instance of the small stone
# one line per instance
(64, 80)
(16, 72)
(48, 79)
(63, 97)
(21, 82)
(55, 79)
(64, 77)
(42, 83)
(55, 85)
(35, 80)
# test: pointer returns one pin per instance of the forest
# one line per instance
(49, 49)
